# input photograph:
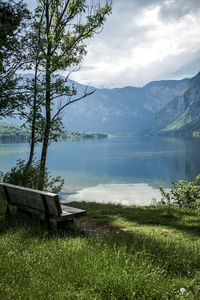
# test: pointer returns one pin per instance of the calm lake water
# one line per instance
(127, 170)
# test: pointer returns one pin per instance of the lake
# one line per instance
(126, 170)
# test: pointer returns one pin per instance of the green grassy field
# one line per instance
(136, 253)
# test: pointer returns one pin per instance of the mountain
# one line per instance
(119, 110)
(128, 109)
(181, 116)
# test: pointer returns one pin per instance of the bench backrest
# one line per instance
(31, 198)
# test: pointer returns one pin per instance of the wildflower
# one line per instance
(182, 291)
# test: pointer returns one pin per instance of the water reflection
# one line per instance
(124, 194)
(126, 160)
(153, 160)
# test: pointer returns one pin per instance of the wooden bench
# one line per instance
(46, 204)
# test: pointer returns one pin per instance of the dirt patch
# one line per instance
(92, 227)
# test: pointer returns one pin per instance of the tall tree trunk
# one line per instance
(48, 103)
(48, 122)
(47, 127)
(33, 125)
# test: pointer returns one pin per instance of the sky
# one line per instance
(143, 41)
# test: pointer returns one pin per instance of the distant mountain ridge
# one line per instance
(160, 107)
(124, 110)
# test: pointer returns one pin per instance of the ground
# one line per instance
(96, 229)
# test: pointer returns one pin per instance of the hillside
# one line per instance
(128, 109)
(118, 110)
(180, 116)
(10, 133)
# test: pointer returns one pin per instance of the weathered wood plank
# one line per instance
(73, 210)
(31, 198)
(43, 203)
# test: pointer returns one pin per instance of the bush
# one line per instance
(183, 194)
(30, 177)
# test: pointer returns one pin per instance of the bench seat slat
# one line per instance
(72, 209)
(44, 203)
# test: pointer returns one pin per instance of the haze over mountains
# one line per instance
(160, 107)
(125, 110)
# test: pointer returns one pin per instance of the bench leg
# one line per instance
(64, 224)
(48, 223)
(21, 210)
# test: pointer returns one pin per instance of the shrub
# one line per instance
(183, 194)
(30, 177)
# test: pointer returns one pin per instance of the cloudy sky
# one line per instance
(143, 41)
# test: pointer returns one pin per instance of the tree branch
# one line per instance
(70, 102)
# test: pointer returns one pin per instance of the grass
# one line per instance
(157, 256)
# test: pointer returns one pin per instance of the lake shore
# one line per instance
(11, 133)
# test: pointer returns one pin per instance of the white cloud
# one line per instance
(143, 41)
(147, 46)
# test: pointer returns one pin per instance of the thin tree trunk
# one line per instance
(47, 125)
(33, 127)
(48, 105)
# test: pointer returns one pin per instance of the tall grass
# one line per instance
(158, 257)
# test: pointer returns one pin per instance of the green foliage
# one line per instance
(19, 134)
(29, 176)
(13, 133)
(76, 135)
(13, 19)
(183, 194)
(11, 15)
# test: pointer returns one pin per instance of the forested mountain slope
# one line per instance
(180, 116)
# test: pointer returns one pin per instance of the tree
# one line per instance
(34, 89)
(64, 27)
(13, 17)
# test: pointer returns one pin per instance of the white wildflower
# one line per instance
(182, 290)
